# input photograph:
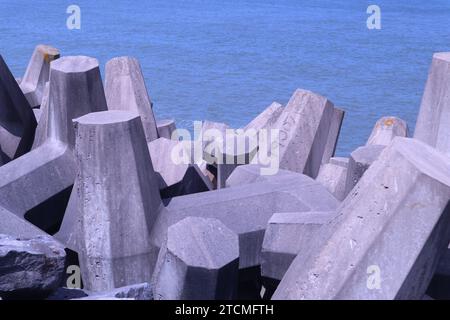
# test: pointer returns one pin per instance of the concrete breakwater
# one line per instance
(98, 196)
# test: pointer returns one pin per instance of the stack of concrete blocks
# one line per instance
(46, 174)
(384, 131)
(17, 121)
(38, 73)
(375, 248)
(125, 90)
(283, 193)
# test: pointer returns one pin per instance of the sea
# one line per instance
(226, 61)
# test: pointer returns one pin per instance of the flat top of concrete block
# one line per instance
(367, 154)
(442, 56)
(203, 242)
(74, 64)
(47, 50)
(107, 117)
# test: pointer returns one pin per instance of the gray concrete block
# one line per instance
(30, 267)
(37, 178)
(389, 233)
(166, 128)
(304, 132)
(76, 89)
(119, 199)
(386, 129)
(38, 73)
(16, 117)
(199, 261)
(14, 226)
(433, 122)
(360, 160)
(125, 90)
(334, 178)
(333, 134)
(286, 234)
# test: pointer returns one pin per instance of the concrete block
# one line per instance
(433, 121)
(14, 226)
(125, 90)
(16, 117)
(286, 234)
(43, 126)
(30, 268)
(76, 89)
(340, 161)
(199, 261)
(34, 186)
(38, 73)
(166, 128)
(333, 134)
(389, 233)
(119, 199)
(386, 129)
(304, 128)
(360, 160)
(334, 178)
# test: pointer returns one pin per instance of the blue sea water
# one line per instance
(228, 60)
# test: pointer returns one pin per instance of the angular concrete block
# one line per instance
(17, 121)
(166, 128)
(334, 178)
(333, 134)
(43, 127)
(119, 199)
(386, 129)
(38, 73)
(30, 268)
(125, 90)
(32, 186)
(389, 233)
(267, 118)
(433, 121)
(199, 261)
(360, 160)
(286, 234)
(76, 89)
(304, 132)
